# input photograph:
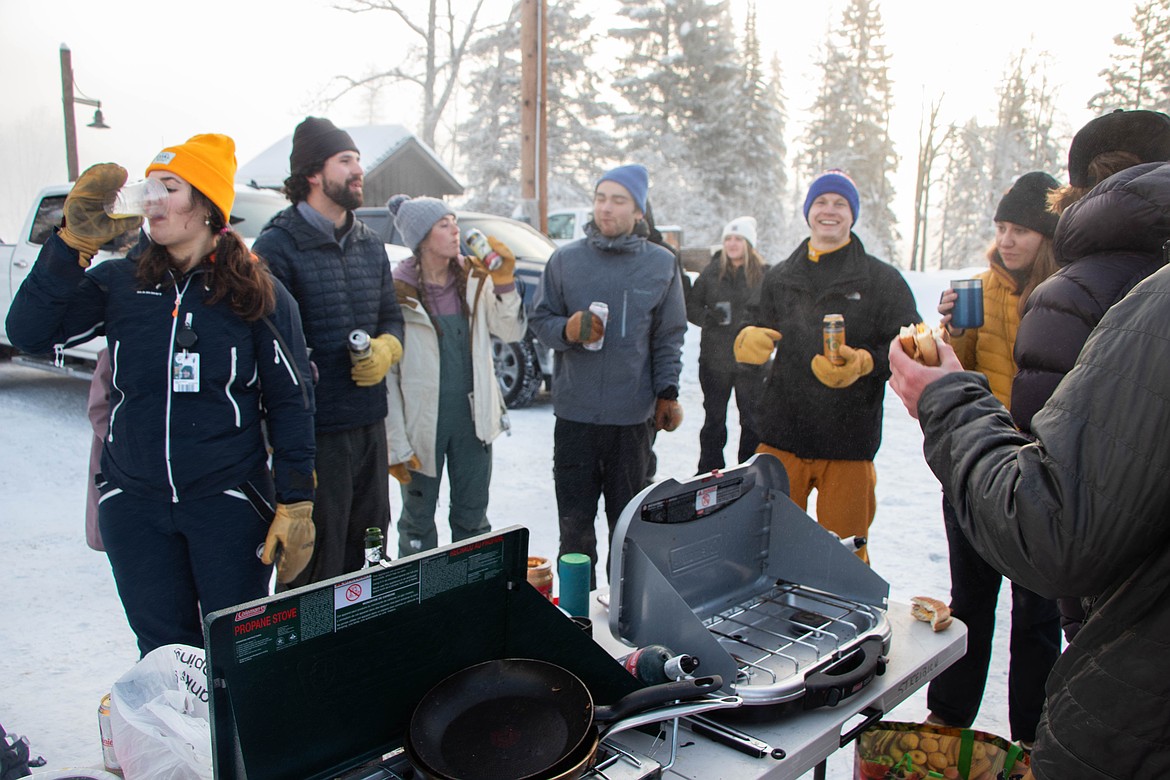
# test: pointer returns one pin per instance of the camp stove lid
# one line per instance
(731, 551)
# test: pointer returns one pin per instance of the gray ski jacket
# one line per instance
(641, 356)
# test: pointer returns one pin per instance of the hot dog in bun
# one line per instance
(921, 343)
(931, 611)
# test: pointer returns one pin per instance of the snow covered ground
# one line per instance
(64, 638)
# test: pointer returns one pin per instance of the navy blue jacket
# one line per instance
(337, 289)
(173, 445)
(1106, 243)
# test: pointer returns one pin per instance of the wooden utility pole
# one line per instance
(533, 112)
(67, 101)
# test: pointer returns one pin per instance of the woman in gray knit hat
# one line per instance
(452, 305)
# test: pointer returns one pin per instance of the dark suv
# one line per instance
(522, 367)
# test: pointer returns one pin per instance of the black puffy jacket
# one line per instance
(796, 412)
(1085, 510)
(338, 289)
(1106, 243)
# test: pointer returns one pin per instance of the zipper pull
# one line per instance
(59, 355)
(275, 352)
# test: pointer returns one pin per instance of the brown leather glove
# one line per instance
(668, 415)
(291, 538)
(385, 351)
(858, 363)
(87, 226)
(401, 471)
(754, 345)
(584, 327)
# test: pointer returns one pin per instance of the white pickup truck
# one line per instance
(252, 210)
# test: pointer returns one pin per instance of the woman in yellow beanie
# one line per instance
(204, 346)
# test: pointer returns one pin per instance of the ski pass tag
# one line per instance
(185, 372)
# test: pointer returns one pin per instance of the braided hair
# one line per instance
(460, 274)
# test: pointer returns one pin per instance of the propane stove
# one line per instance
(725, 567)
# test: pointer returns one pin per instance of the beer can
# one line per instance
(834, 336)
(109, 759)
(601, 309)
(477, 242)
(359, 345)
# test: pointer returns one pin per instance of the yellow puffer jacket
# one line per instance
(988, 350)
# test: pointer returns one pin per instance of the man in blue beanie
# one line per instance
(823, 418)
(611, 373)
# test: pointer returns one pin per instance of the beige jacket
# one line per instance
(413, 384)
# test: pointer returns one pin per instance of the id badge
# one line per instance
(185, 372)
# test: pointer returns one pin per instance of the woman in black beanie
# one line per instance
(1020, 259)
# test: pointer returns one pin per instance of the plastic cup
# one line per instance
(968, 311)
(145, 198)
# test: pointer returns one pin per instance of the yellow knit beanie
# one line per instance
(208, 163)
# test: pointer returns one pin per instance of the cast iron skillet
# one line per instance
(517, 718)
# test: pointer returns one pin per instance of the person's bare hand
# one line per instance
(946, 307)
(909, 378)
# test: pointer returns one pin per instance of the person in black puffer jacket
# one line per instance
(337, 270)
(823, 420)
(1083, 508)
(717, 303)
(1099, 262)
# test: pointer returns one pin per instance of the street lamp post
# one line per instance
(68, 98)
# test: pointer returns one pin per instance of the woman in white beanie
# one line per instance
(452, 305)
(716, 304)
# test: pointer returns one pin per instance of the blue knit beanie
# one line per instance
(634, 178)
(837, 182)
(416, 217)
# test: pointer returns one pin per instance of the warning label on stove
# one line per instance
(378, 593)
(372, 593)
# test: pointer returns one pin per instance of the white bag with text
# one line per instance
(160, 717)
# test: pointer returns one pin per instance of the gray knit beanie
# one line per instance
(417, 216)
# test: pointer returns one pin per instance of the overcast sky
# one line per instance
(254, 68)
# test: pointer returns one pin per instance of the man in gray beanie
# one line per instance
(611, 375)
(337, 269)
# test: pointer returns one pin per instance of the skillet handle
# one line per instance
(657, 695)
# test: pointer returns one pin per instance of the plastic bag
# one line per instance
(918, 751)
(160, 717)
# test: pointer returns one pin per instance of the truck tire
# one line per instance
(517, 371)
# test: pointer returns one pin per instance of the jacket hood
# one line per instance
(1127, 213)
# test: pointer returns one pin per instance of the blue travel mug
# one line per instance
(574, 569)
(968, 311)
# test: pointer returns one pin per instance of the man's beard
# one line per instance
(341, 194)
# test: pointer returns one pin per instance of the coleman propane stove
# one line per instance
(725, 567)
